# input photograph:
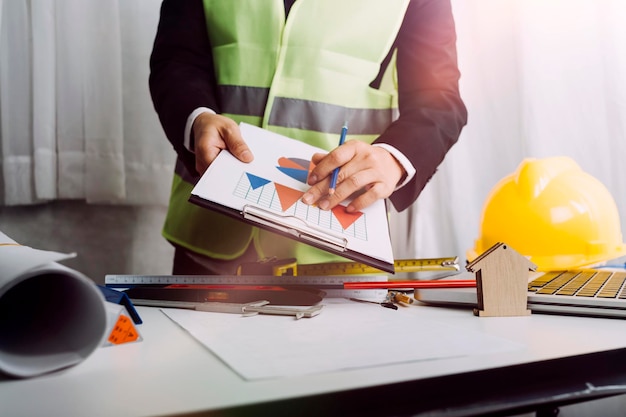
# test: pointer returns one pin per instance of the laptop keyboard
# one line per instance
(581, 283)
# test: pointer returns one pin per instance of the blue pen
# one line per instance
(342, 139)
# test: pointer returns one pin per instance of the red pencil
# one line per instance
(451, 283)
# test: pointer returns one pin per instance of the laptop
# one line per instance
(584, 292)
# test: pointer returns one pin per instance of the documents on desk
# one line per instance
(348, 335)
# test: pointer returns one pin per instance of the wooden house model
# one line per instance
(501, 282)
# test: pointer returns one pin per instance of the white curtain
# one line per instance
(540, 78)
(75, 113)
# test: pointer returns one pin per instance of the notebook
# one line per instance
(585, 292)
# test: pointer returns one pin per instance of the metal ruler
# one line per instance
(331, 285)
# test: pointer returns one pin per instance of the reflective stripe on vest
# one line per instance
(272, 73)
(296, 113)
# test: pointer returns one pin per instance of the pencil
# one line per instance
(415, 284)
(342, 139)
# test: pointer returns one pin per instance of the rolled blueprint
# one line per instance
(51, 316)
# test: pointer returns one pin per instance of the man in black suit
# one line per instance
(199, 105)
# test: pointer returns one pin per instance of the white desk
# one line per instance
(170, 373)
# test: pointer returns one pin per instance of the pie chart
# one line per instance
(296, 168)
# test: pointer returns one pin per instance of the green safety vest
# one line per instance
(301, 77)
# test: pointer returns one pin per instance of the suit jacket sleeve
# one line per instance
(182, 77)
(432, 113)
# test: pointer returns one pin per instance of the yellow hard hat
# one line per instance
(553, 212)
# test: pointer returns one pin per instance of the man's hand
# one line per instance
(213, 133)
(368, 169)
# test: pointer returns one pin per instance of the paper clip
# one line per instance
(259, 307)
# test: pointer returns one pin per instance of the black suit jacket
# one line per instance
(432, 113)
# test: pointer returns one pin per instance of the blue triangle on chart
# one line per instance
(256, 182)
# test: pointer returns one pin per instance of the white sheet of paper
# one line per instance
(234, 184)
(346, 335)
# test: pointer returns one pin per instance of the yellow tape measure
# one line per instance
(282, 267)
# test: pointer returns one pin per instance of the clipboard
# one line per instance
(266, 193)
